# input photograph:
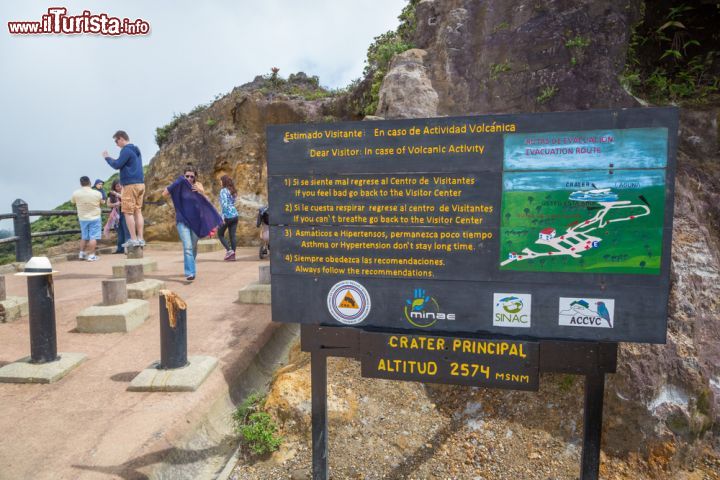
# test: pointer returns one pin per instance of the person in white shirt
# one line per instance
(88, 203)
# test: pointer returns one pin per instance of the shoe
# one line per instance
(140, 243)
(190, 278)
(228, 253)
(92, 258)
(231, 257)
(118, 252)
(130, 243)
(82, 255)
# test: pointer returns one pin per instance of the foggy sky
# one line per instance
(63, 96)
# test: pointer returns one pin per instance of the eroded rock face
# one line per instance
(406, 91)
(670, 394)
(491, 57)
(228, 138)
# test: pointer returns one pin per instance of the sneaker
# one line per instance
(140, 243)
(129, 243)
(231, 257)
(81, 255)
(228, 253)
(190, 278)
(92, 258)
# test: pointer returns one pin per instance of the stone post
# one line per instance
(134, 273)
(134, 252)
(114, 291)
(3, 291)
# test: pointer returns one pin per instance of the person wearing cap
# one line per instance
(98, 185)
(88, 203)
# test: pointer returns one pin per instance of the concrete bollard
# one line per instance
(134, 252)
(3, 291)
(114, 291)
(173, 331)
(134, 273)
(264, 274)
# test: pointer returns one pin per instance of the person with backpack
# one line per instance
(263, 223)
(228, 194)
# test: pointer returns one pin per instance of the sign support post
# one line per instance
(592, 424)
(318, 380)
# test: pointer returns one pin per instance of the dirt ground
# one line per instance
(383, 429)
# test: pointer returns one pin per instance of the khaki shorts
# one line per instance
(132, 197)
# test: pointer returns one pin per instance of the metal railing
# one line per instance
(22, 236)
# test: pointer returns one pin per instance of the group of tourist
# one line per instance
(195, 215)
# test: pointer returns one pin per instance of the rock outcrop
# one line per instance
(531, 55)
(228, 138)
(491, 57)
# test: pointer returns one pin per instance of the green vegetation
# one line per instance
(547, 93)
(566, 383)
(674, 54)
(501, 26)
(257, 429)
(577, 42)
(364, 93)
(210, 122)
(497, 68)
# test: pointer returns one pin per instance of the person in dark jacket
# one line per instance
(195, 216)
(98, 185)
(115, 201)
(133, 181)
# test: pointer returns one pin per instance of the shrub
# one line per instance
(257, 429)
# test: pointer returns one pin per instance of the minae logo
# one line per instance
(512, 310)
(423, 311)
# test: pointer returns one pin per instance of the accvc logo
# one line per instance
(512, 310)
(423, 311)
(587, 312)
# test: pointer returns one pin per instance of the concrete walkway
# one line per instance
(87, 426)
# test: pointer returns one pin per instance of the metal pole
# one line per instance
(318, 378)
(173, 336)
(21, 225)
(592, 430)
(41, 305)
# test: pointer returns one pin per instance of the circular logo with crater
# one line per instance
(348, 302)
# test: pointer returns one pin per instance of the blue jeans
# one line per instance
(189, 241)
(122, 233)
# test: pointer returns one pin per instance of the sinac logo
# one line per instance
(511, 304)
(423, 311)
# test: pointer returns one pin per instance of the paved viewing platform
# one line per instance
(88, 425)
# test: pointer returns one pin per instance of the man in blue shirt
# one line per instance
(133, 181)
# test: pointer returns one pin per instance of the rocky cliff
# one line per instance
(227, 137)
(486, 57)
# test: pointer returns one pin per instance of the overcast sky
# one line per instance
(62, 97)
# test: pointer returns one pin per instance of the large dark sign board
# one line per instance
(530, 226)
(474, 250)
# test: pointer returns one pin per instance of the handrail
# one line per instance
(54, 232)
(9, 240)
(21, 225)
